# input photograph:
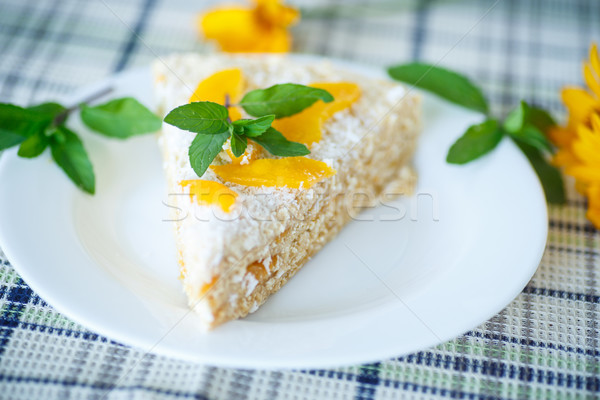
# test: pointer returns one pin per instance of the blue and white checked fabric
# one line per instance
(544, 345)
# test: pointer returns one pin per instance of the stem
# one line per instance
(227, 105)
(62, 117)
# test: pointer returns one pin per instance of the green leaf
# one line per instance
(525, 115)
(282, 100)
(238, 144)
(442, 82)
(204, 149)
(200, 117)
(254, 127)
(68, 152)
(17, 124)
(34, 145)
(534, 137)
(275, 143)
(541, 119)
(528, 125)
(517, 118)
(120, 118)
(47, 111)
(550, 176)
(475, 142)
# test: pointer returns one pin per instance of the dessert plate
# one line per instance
(405, 275)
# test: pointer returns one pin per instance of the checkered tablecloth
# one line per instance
(545, 344)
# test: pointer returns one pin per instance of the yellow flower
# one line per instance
(584, 165)
(258, 29)
(581, 103)
(579, 140)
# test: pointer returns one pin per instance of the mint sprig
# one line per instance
(36, 128)
(212, 125)
(526, 125)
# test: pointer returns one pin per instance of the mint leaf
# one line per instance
(442, 82)
(9, 139)
(525, 114)
(34, 145)
(275, 143)
(517, 118)
(120, 118)
(238, 144)
(534, 137)
(200, 117)
(475, 142)
(68, 152)
(204, 149)
(541, 119)
(282, 100)
(17, 124)
(254, 127)
(528, 125)
(47, 111)
(549, 175)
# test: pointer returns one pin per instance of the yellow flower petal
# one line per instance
(595, 121)
(564, 157)
(560, 136)
(586, 146)
(591, 80)
(216, 87)
(584, 173)
(595, 59)
(580, 105)
(593, 195)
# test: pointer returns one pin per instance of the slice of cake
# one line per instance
(249, 223)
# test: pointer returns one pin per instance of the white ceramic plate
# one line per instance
(404, 277)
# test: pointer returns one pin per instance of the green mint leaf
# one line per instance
(254, 127)
(525, 115)
(442, 82)
(275, 143)
(549, 175)
(17, 124)
(204, 149)
(120, 118)
(528, 124)
(200, 117)
(47, 111)
(534, 137)
(282, 100)
(475, 142)
(34, 145)
(68, 152)
(517, 118)
(9, 139)
(541, 119)
(238, 144)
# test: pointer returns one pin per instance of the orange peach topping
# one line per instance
(216, 87)
(209, 193)
(293, 172)
(306, 126)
